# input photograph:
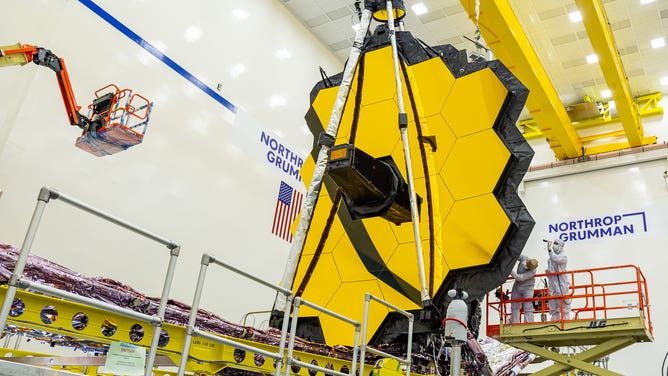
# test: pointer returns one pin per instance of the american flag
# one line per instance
(288, 205)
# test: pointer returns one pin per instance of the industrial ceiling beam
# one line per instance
(598, 29)
(608, 147)
(503, 33)
(648, 105)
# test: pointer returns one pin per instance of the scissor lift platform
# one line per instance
(576, 332)
(610, 309)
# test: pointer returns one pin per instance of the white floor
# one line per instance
(13, 369)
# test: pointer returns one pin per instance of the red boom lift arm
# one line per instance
(118, 118)
(42, 56)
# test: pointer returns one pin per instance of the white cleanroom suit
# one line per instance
(557, 284)
(523, 289)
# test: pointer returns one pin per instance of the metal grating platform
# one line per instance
(578, 332)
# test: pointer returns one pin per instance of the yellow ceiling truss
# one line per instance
(647, 105)
(506, 38)
(601, 38)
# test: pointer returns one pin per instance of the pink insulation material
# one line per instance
(113, 292)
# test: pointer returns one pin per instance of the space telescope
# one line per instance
(413, 178)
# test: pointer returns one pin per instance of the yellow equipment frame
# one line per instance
(205, 357)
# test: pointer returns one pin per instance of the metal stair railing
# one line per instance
(17, 280)
(192, 331)
(293, 333)
(364, 348)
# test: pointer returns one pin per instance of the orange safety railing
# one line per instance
(129, 110)
(594, 294)
(119, 120)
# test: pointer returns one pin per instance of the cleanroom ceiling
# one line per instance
(561, 40)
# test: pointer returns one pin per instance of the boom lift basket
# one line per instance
(119, 121)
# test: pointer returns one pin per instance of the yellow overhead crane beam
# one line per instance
(648, 105)
(603, 43)
(506, 38)
(504, 35)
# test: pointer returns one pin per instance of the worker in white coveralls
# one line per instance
(557, 284)
(523, 289)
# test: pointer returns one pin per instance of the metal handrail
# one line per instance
(597, 297)
(192, 331)
(17, 281)
(247, 314)
(363, 348)
(293, 334)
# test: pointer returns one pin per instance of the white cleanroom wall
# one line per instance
(206, 176)
(633, 192)
(581, 192)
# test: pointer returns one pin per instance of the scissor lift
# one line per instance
(609, 311)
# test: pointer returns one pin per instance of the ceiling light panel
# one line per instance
(240, 14)
(283, 54)
(575, 16)
(658, 42)
(419, 9)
